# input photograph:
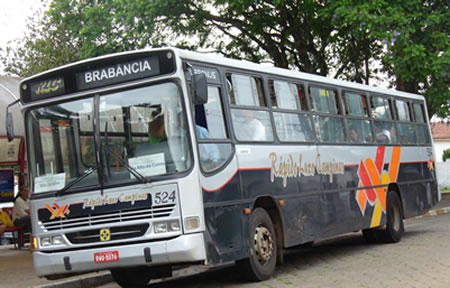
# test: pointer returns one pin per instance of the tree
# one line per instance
(44, 46)
(446, 155)
(344, 39)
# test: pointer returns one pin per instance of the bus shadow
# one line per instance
(296, 258)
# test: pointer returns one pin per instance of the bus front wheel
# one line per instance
(132, 276)
(260, 265)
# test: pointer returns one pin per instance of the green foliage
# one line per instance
(348, 39)
(446, 155)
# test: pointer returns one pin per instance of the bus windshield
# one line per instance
(109, 139)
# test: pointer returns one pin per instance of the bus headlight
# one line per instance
(167, 226)
(57, 240)
(45, 241)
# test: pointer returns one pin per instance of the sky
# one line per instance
(13, 18)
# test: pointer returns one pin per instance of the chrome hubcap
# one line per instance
(263, 244)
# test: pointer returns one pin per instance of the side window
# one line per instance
(356, 110)
(385, 132)
(214, 114)
(245, 90)
(328, 128)
(359, 131)
(292, 126)
(324, 100)
(355, 104)
(423, 134)
(402, 110)
(285, 95)
(380, 108)
(419, 113)
(210, 124)
(249, 124)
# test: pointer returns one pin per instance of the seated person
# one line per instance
(383, 136)
(156, 128)
(250, 128)
(354, 136)
(21, 212)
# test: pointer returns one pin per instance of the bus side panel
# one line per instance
(225, 221)
(417, 182)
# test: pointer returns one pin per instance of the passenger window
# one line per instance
(355, 105)
(385, 132)
(293, 127)
(245, 90)
(380, 108)
(287, 95)
(407, 133)
(360, 131)
(210, 124)
(419, 113)
(214, 114)
(402, 110)
(330, 129)
(251, 125)
(423, 135)
(324, 100)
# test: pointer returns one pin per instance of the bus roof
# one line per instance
(245, 65)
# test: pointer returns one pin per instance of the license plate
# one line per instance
(108, 256)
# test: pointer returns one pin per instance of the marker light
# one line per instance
(192, 223)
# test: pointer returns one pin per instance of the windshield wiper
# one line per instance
(85, 174)
(130, 169)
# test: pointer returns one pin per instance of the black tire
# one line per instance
(261, 263)
(132, 277)
(394, 220)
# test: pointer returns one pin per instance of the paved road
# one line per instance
(421, 259)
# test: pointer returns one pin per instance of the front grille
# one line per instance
(116, 233)
(107, 218)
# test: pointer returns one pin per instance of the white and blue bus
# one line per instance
(143, 160)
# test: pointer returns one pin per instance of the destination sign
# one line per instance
(47, 88)
(118, 73)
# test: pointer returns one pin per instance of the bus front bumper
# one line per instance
(183, 249)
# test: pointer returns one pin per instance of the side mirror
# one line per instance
(10, 122)
(200, 89)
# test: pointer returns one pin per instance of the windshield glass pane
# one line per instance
(140, 136)
(141, 133)
(59, 154)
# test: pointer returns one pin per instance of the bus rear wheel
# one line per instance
(394, 221)
(261, 263)
(132, 276)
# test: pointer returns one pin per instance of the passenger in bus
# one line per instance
(156, 128)
(21, 212)
(251, 128)
(209, 153)
(354, 136)
(383, 135)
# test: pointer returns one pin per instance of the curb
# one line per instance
(438, 211)
(82, 282)
(434, 212)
